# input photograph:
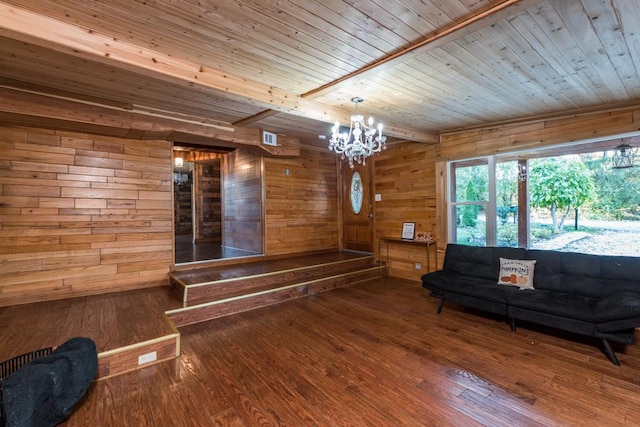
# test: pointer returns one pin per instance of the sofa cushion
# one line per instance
(516, 272)
(555, 303)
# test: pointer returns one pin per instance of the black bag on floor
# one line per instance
(43, 392)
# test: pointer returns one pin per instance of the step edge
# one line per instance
(137, 345)
(265, 292)
(271, 273)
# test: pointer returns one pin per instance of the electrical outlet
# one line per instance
(147, 358)
(418, 266)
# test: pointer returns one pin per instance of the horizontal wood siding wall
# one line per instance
(301, 206)
(514, 137)
(405, 179)
(81, 214)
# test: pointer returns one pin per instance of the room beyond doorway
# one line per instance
(186, 250)
(217, 204)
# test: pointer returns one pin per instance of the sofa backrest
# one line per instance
(619, 274)
(594, 276)
(571, 272)
(478, 261)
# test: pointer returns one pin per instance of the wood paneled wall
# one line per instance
(301, 203)
(513, 137)
(405, 180)
(81, 214)
(242, 193)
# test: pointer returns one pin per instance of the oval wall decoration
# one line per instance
(356, 193)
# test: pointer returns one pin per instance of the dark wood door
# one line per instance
(357, 208)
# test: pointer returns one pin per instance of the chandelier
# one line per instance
(362, 141)
(623, 156)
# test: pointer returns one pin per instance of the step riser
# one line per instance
(139, 355)
(206, 312)
(223, 289)
(330, 283)
(127, 359)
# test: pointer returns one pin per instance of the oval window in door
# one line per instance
(356, 193)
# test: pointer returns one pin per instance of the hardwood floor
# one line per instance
(187, 251)
(374, 354)
(112, 320)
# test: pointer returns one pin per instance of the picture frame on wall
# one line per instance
(408, 230)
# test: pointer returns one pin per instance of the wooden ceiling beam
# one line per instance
(256, 118)
(455, 31)
(24, 108)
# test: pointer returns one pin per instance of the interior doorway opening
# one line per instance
(217, 194)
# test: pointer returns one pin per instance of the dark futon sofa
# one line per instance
(592, 295)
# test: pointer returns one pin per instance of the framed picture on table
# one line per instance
(408, 230)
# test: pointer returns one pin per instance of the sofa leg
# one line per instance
(610, 353)
(513, 324)
(440, 306)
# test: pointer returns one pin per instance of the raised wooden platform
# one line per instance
(137, 328)
(212, 292)
(129, 328)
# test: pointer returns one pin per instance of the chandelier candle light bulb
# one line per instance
(364, 142)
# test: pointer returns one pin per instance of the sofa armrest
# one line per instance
(621, 305)
(439, 280)
(617, 312)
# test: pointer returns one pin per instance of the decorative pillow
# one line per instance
(516, 272)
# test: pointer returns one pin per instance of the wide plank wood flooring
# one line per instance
(186, 250)
(112, 320)
(374, 354)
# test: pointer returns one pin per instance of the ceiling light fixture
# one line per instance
(623, 156)
(366, 140)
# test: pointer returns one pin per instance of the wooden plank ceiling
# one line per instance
(293, 66)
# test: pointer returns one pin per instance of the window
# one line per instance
(470, 202)
(356, 193)
(563, 198)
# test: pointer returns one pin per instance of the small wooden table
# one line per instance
(426, 243)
